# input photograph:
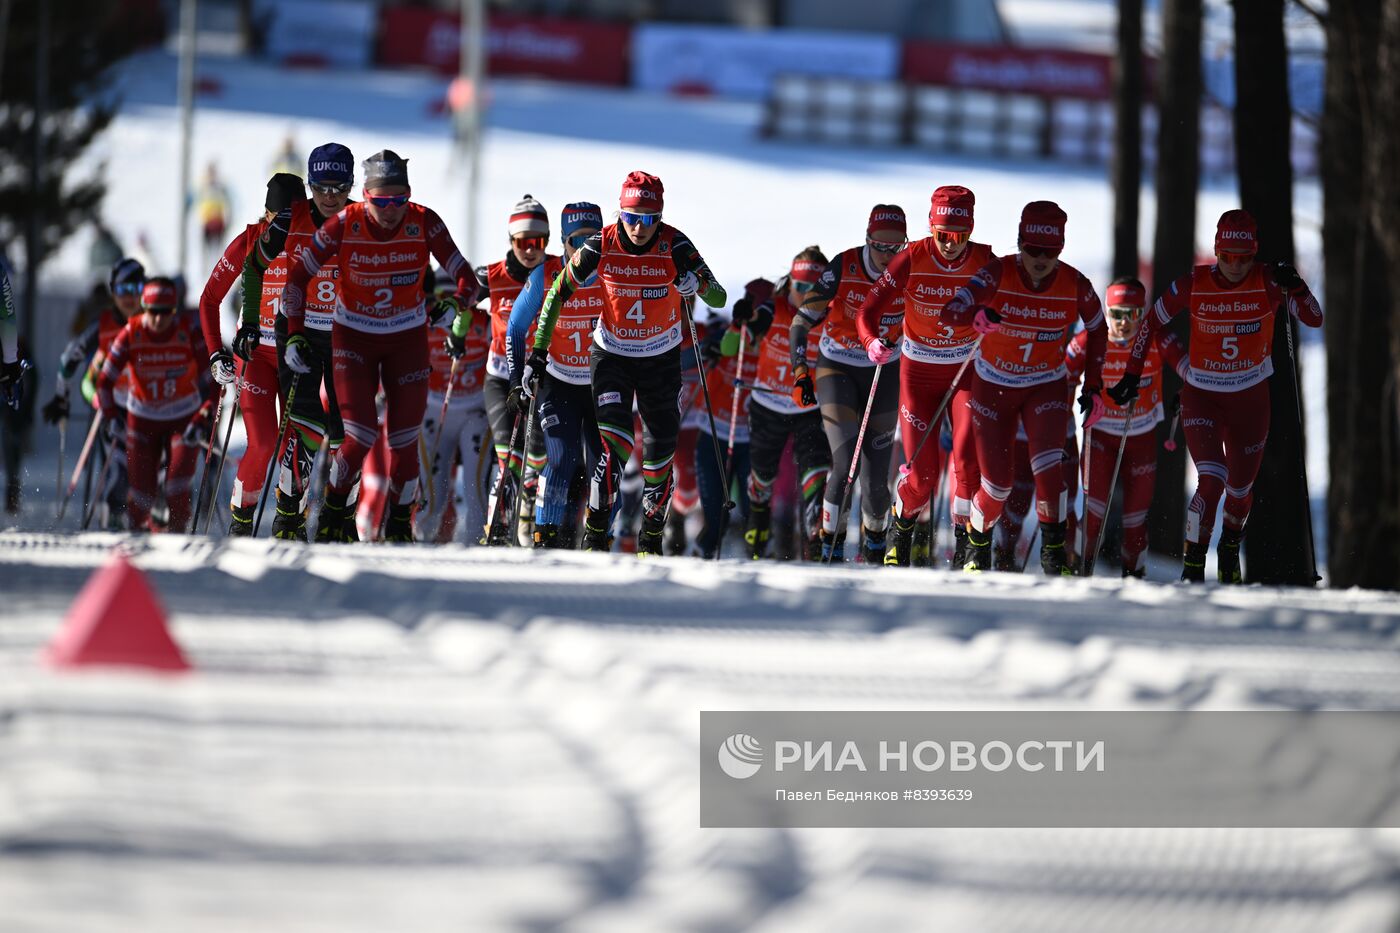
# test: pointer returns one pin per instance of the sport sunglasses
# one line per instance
(331, 189)
(393, 200)
(530, 242)
(1040, 252)
(632, 220)
(882, 247)
(127, 288)
(803, 287)
(578, 239)
(1124, 313)
(953, 237)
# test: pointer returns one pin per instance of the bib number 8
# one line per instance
(325, 291)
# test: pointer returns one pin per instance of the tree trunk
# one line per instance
(1127, 151)
(1363, 491)
(1174, 241)
(1279, 543)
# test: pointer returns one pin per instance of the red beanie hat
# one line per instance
(887, 217)
(951, 206)
(642, 193)
(806, 270)
(1043, 225)
(1236, 232)
(159, 292)
(758, 291)
(1126, 295)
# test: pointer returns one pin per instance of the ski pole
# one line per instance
(274, 469)
(688, 306)
(501, 480)
(62, 446)
(1088, 558)
(855, 460)
(759, 388)
(1029, 548)
(733, 426)
(208, 461)
(81, 464)
(933, 426)
(110, 462)
(223, 457)
(1303, 464)
(939, 498)
(1170, 442)
(442, 423)
(524, 458)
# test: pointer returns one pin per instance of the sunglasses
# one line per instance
(953, 237)
(529, 242)
(1124, 313)
(393, 200)
(160, 310)
(632, 220)
(803, 287)
(578, 239)
(881, 247)
(127, 288)
(330, 189)
(1040, 252)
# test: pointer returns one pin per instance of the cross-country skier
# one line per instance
(256, 343)
(1025, 307)
(647, 268)
(169, 400)
(503, 281)
(779, 410)
(383, 244)
(1225, 402)
(845, 374)
(1125, 300)
(95, 342)
(928, 274)
(565, 412)
(330, 175)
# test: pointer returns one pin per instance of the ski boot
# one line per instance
(1004, 555)
(1139, 573)
(241, 523)
(756, 535)
(336, 524)
(547, 538)
(289, 522)
(1227, 555)
(595, 532)
(1193, 563)
(833, 548)
(673, 542)
(649, 541)
(398, 528)
(1052, 550)
(901, 549)
(979, 551)
(921, 551)
(872, 550)
(812, 549)
(959, 547)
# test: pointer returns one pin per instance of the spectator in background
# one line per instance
(212, 204)
(288, 159)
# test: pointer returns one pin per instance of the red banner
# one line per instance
(561, 49)
(1046, 72)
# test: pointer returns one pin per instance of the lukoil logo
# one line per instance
(741, 756)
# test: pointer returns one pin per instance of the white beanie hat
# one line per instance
(529, 217)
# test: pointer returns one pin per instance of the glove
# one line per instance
(688, 285)
(56, 409)
(879, 351)
(456, 346)
(518, 401)
(743, 311)
(221, 366)
(246, 341)
(443, 309)
(300, 355)
(1286, 276)
(11, 383)
(1091, 406)
(113, 424)
(196, 433)
(534, 369)
(987, 321)
(1125, 391)
(804, 392)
